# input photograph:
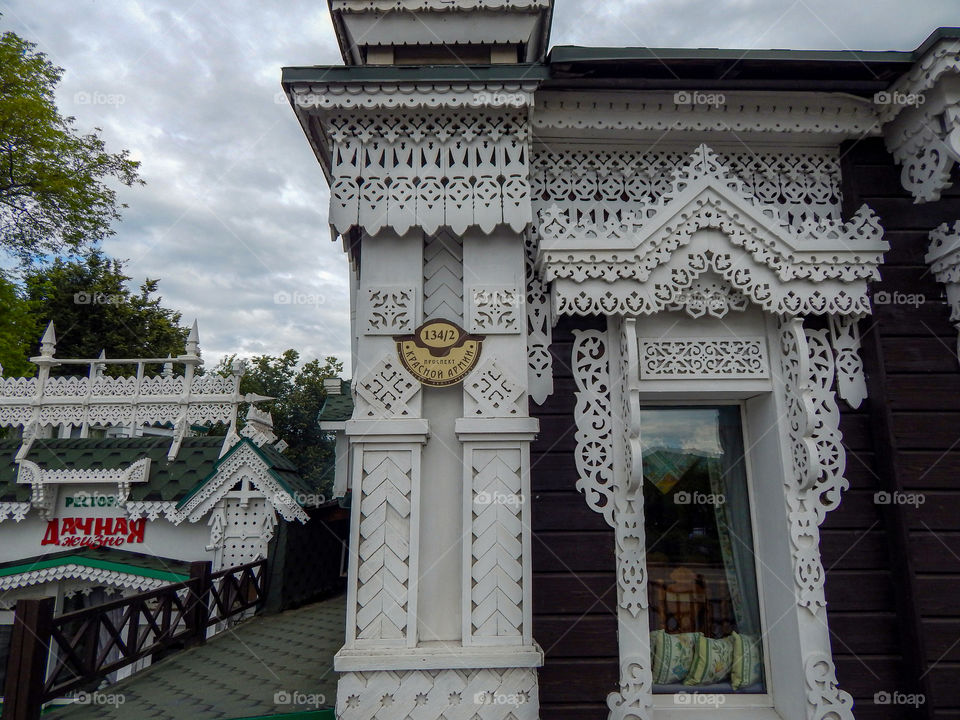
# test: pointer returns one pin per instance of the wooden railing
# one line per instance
(83, 647)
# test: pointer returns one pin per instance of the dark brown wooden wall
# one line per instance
(906, 578)
(574, 582)
(893, 571)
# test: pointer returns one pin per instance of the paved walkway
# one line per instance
(240, 673)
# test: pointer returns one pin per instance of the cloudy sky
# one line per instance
(234, 214)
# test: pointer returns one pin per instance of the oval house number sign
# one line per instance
(439, 353)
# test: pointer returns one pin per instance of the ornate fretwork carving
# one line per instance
(923, 122)
(461, 694)
(153, 509)
(387, 96)
(635, 261)
(494, 391)
(634, 700)
(944, 260)
(383, 574)
(494, 310)
(453, 170)
(539, 360)
(391, 310)
(711, 297)
(817, 481)
(826, 700)
(385, 392)
(14, 510)
(136, 472)
(496, 546)
(845, 340)
(594, 436)
(443, 278)
(73, 571)
(673, 359)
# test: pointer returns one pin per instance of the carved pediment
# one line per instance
(610, 258)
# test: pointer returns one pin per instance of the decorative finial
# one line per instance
(96, 368)
(48, 343)
(193, 341)
(168, 367)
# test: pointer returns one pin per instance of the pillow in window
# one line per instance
(747, 661)
(712, 660)
(672, 655)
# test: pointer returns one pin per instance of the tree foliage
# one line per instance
(54, 195)
(93, 309)
(18, 330)
(299, 396)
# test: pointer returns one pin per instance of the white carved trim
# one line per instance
(705, 358)
(845, 340)
(494, 392)
(443, 277)
(659, 112)
(944, 260)
(539, 326)
(391, 310)
(445, 6)
(421, 96)
(460, 694)
(827, 700)
(641, 262)
(153, 509)
(243, 464)
(72, 571)
(386, 391)
(136, 472)
(494, 310)
(14, 510)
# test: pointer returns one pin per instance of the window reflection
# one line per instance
(704, 605)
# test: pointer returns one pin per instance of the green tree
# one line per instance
(93, 309)
(298, 396)
(18, 330)
(54, 195)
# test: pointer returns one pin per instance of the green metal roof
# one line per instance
(167, 481)
(106, 559)
(337, 408)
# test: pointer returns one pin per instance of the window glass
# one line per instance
(704, 605)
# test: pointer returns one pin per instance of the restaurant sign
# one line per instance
(93, 532)
(439, 353)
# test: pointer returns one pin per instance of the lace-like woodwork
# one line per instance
(494, 310)
(80, 572)
(386, 391)
(594, 436)
(444, 169)
(944, 260)
(827, 700)
(496, 546)
(711, 297)
(462, 694)
(16, 511)
(703, 358)
(539, 325)
(391, 310)
(616, 259)
(494, 392)
(817, 482)
(845, 340)
(383, 574)
(634, 700)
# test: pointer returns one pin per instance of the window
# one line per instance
(704, 600)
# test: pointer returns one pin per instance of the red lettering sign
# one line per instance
(93, 532)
